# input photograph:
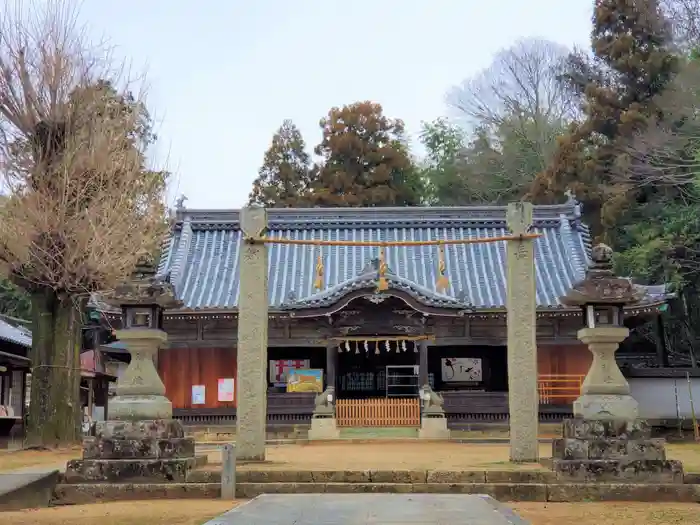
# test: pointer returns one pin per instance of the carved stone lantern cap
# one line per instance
(145, 288)
(601, 286)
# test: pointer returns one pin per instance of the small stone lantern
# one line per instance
(140, 442)
(605, 441)
(140, 391)
(605, 393)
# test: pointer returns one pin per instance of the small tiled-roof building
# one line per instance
(465, 321)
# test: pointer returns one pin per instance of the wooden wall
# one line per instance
(181, 368)
(571, 359)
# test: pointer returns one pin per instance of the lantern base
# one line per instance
(135, 452)
(606, 407)
(132, 408)
(615, 451)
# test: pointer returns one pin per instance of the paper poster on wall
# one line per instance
(462, 370)
(198, 394)
(280, 368)
(305, 380)
(226, 389)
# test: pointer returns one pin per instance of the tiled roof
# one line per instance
(17, 335)
(201, 257)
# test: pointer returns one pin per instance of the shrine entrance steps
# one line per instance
(505, 485)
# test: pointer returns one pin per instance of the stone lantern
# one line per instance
(141, 441)
(605, 393)
(605, 441)
(140, 391)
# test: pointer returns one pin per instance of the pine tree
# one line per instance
(365, 160)
(633, 63)
(283, 179)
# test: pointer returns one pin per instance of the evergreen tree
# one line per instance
(283, 179)
(633, 63)
(365, 160)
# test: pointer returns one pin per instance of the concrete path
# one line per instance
(370, 509)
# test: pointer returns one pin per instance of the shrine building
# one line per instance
(375, 322)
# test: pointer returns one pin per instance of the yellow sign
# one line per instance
(305, 380)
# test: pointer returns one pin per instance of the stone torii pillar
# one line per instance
(523, 401)
(251, 384)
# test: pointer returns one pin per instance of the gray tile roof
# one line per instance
(17, 335)
(202, 255)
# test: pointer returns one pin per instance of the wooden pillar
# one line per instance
(331, 361)
(422, 363)
(523, 401)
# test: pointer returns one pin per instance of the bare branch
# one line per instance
(685, 20)
(667, 152)
(522, 82)
(82, 206)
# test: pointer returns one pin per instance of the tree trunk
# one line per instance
(54, 409)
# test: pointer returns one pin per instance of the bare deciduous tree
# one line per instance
(667, 152)
(81, 205)
(521, 83)
(685, 21)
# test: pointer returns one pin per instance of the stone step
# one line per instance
(566, 492)
(376, 476)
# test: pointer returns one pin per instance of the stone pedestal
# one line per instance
(141, 442)
(433, 428)
(323, 428)
(605, 393)
(140, 391)
(134, 451)
(605, 441)
(614, 451)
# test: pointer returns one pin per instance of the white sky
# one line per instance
(223, 75)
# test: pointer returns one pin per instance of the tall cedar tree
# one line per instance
(365, 160)
(283, 179)
(633, 63)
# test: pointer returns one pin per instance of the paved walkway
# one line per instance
(366, 509)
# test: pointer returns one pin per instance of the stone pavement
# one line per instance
(370, 509)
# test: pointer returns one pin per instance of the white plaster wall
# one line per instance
(657, 399)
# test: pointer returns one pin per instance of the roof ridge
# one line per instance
(294, 218)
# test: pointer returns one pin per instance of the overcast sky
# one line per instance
(224, 74)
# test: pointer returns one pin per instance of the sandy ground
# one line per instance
(11, 460)
(418, 456)
(362, 456)
(623, 513)
(159, 512)
(196, 512)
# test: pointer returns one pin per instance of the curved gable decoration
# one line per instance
(342, 293)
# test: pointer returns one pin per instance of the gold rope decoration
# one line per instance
(318, 282)
(442, 282)
(382, 283)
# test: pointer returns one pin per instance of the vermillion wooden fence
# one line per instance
(558, 389)
(378, 412)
